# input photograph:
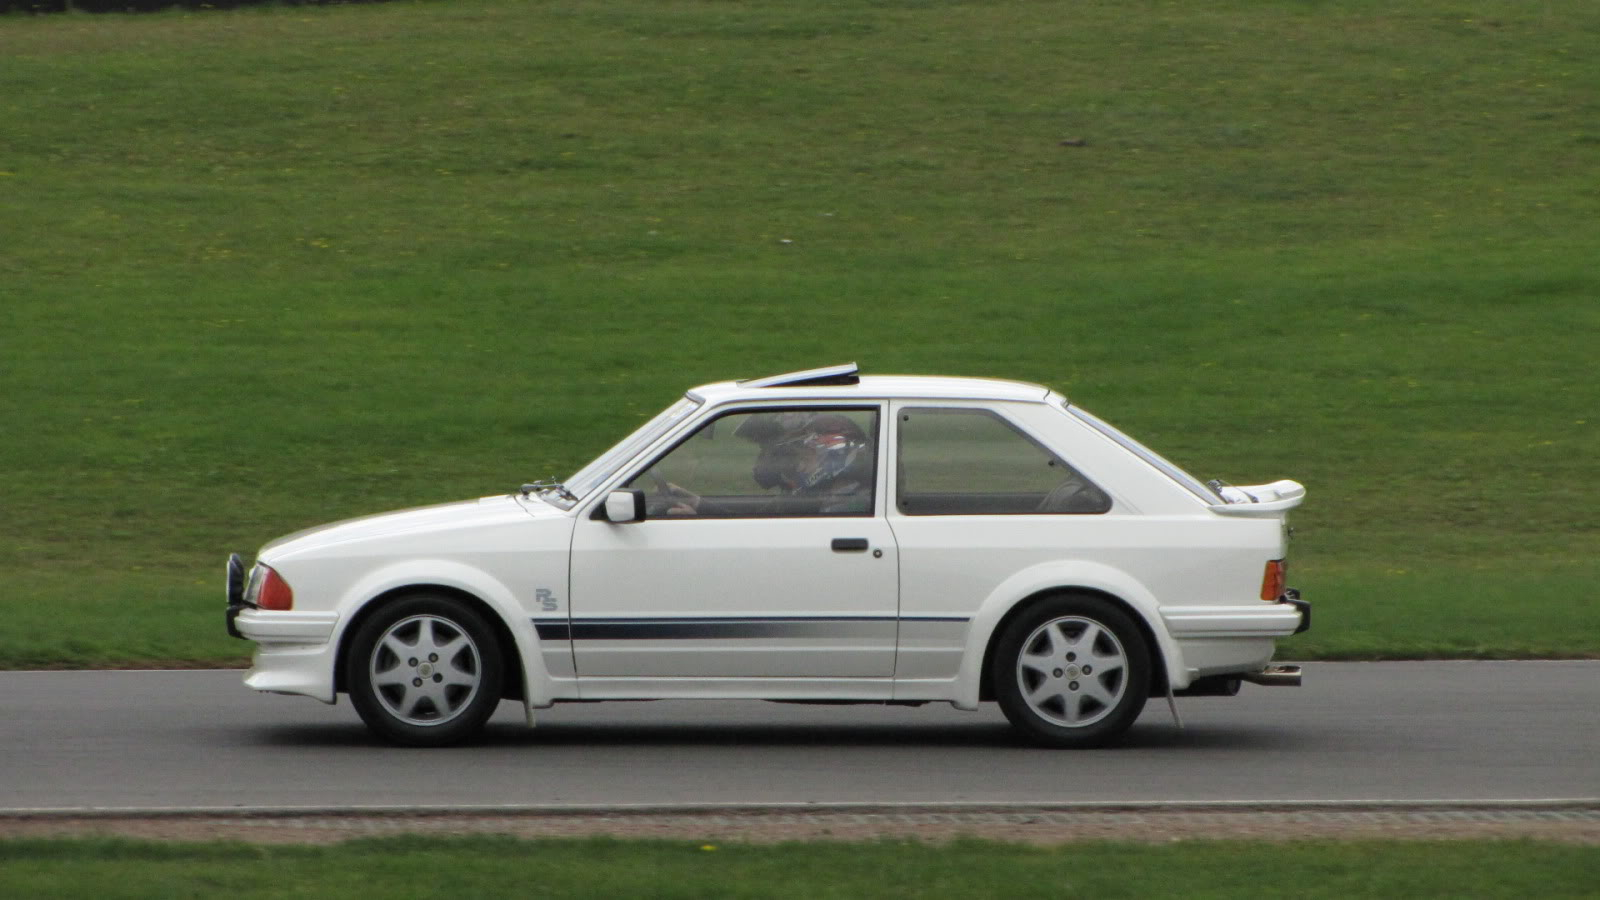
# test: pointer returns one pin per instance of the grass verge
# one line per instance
(270, 267)
(417, 867)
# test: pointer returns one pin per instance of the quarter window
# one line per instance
(974, 462)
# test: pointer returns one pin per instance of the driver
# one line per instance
(823, 455)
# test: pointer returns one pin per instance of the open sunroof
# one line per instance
(828, 375)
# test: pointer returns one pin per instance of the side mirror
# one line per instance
(625, 506)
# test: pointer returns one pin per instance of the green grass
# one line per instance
(418, 867)
(265, 268)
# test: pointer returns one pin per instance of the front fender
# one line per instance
(1055, 577)
(500, 597)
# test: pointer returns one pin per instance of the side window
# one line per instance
(768, 463)
(955, 462)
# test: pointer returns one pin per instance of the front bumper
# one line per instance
(305, 670)
(295, 650)
(248, 621)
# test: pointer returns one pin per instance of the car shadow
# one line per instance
(977, 735)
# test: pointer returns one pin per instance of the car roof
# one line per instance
(845, 383)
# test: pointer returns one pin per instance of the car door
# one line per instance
(764, 553)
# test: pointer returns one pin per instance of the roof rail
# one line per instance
(828, 375)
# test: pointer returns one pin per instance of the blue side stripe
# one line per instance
(725, 628)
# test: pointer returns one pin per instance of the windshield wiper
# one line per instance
(542, 486)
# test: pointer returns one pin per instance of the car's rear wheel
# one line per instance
(424, 670)
(1072, 671)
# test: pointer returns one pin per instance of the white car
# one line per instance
(821, 536)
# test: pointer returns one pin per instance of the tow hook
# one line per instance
(1274, 676)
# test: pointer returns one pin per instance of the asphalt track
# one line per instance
(1407, 732)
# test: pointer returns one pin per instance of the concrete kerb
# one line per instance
(1575, 821)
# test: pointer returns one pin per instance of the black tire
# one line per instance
(1072, 671)
(424, 671)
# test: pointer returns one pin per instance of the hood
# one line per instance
(466, 514)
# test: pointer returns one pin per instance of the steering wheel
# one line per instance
(665, 497)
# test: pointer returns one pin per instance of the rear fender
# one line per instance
(1055, 578)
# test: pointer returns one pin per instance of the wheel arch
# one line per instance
(1023, 589)
(513, 676)
(1158, 660)
(495, 598)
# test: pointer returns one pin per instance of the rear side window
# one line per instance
(955, 462)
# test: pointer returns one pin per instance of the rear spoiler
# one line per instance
(1259, 499)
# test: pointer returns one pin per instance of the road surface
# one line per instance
(1405, 731)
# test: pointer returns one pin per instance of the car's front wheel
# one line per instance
(424, 670)
(1072, 671)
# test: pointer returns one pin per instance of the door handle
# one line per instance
(849, 545)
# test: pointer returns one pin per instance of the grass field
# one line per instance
(266, 268)
(415, 867)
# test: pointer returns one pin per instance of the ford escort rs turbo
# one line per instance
(821, 536)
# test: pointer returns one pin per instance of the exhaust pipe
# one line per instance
(1274, 676)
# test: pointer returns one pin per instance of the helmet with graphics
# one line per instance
(807, 453)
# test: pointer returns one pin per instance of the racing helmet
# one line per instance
(805, 452)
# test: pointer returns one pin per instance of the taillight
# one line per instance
(275, 592)
(1273, 580)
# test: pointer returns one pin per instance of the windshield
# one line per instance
(1144, 453)
(589, 477)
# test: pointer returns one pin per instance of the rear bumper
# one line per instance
(1290, 615)
(1292, 597)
